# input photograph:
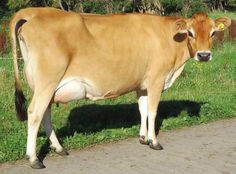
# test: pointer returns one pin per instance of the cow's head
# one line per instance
(200, 30)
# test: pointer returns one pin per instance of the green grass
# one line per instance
(217, 14)
(204, 92)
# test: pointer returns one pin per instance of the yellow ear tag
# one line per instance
(221, 26)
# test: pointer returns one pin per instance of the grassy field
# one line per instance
(204, 92)
(217, 14)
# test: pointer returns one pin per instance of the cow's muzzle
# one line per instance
(203, 56)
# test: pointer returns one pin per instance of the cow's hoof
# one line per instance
(142, 140)
(158, 146)
(37, 164)
(62, 153)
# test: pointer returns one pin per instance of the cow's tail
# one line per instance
(20, 101)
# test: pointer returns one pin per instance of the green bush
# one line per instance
(3, 7)
(94, 7)
(103, 6)
(197, 6)
(172, 7)
(16, 5)
(183, 7)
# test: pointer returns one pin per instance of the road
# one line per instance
(203, 149)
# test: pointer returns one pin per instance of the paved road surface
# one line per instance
(203, 149)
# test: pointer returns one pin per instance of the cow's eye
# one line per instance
(190, 34)
(213, 34)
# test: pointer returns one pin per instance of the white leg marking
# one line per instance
(47, 124)
(142, 103)
(33, 126)
(151, 127)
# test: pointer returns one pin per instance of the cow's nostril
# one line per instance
(203, 56)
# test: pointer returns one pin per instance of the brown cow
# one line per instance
(71, 56)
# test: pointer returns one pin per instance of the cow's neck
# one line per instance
(187, 54)
(182, 59)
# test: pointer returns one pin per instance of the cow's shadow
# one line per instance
(94, 118)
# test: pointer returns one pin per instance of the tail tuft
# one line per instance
(20, 104)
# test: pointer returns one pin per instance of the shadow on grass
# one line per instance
(94, 118)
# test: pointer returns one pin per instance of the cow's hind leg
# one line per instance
(46, 76)
(36, 111)
(47, 124)
(142, 103)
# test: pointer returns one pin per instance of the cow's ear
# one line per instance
(222, 23)
(181, 25)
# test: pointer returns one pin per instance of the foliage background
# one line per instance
(164, 7)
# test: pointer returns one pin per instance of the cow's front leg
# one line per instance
(154, 94)
(142, 104)
(47, 124)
